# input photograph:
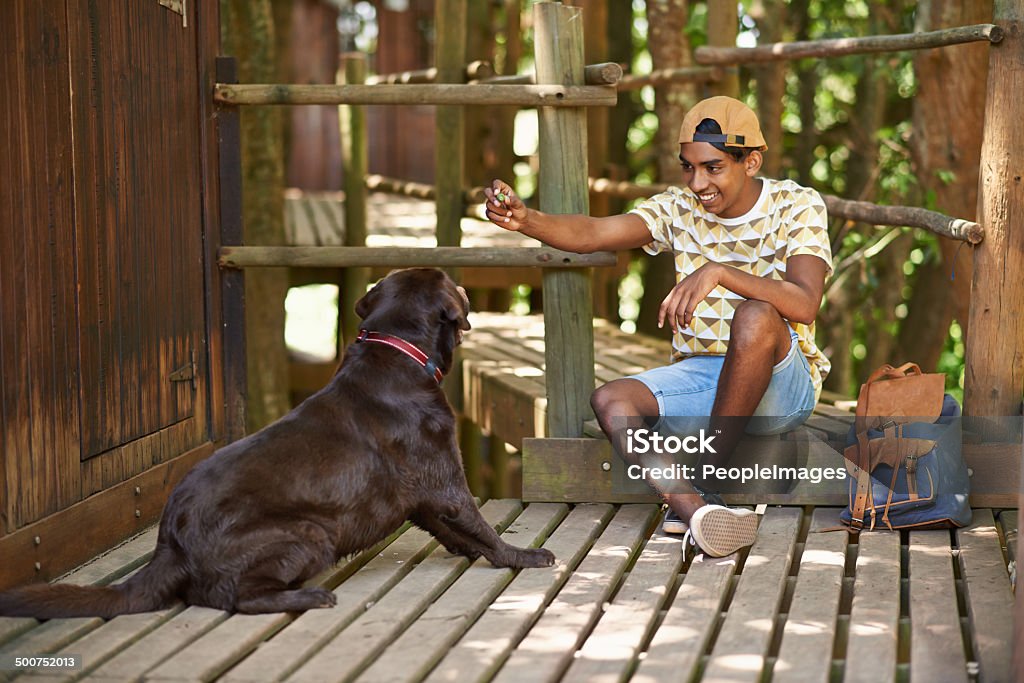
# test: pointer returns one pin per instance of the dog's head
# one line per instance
(423, 306)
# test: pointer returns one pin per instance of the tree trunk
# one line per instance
(670, 49)
(770, 16)
(621, 116)
(807, 76)
(723, 24)
(479, 131)
(949, 112)
(248, 33)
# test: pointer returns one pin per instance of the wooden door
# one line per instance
(103, 358)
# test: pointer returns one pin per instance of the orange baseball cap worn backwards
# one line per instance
(739, 124)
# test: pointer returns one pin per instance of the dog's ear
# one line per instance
(455, 310)
(366, 303)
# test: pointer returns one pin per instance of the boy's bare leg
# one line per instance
(746, 373)
(759, 339)
(632, 400)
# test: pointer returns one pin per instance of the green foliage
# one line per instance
(843, 157)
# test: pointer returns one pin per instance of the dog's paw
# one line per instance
(534, 557)
(321, 598)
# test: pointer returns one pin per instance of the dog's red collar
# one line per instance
(405, 347)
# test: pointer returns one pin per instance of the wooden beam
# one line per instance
(994, 348)
(408, 257)
(720, 55)
(479, 69)
(864, 212)
(436, 94)
(688, 74)
(602, 73)
(910, 216)
(408, 188)
(568, 307)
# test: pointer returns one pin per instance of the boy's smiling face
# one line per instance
(724, 186)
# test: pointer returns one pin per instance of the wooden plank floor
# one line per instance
(622, 603)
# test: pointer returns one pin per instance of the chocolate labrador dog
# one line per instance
(377, 446)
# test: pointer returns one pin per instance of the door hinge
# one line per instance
(186, 373)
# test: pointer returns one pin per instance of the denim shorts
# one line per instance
(686, 391)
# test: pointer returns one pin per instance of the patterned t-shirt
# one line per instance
(787, 219)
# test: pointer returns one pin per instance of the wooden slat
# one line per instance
(741, 648)
(936, 651)
(405, 257)
(48, 638)
(874, 617)
(239, 634)
(97, 646)
(614, 644)
(989, 599)
(38, 406)
(683, 635)
(411, 656)
(291, 647)
(169, 637)
(116, 562)
(350, 651)
(418, 94)
(12, 627)
(548, 649)
(490, 640)
(805, 654)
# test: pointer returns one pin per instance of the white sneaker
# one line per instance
(673, 524)
(719, 531)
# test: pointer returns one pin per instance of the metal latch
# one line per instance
(179, 7)
(186, 373)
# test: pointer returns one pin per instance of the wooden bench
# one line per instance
(622, 602)
(498, 384)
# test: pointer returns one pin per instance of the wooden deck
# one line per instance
(622, 603)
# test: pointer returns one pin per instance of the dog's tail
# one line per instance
(152, 587)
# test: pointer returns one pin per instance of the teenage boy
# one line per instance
(751, 257)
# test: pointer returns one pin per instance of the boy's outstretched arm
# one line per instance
(569, 232)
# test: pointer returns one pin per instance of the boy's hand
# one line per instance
(678, 306)
(504, 208)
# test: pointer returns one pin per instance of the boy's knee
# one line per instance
(603, 399)
(753, 322)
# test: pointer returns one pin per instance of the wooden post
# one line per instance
(723, 19)
(229, 153)
(354, 161)
(450, 61)
(568, 312)
(994, 360)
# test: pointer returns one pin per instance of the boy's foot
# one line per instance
(719, 531)
(673, 524)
